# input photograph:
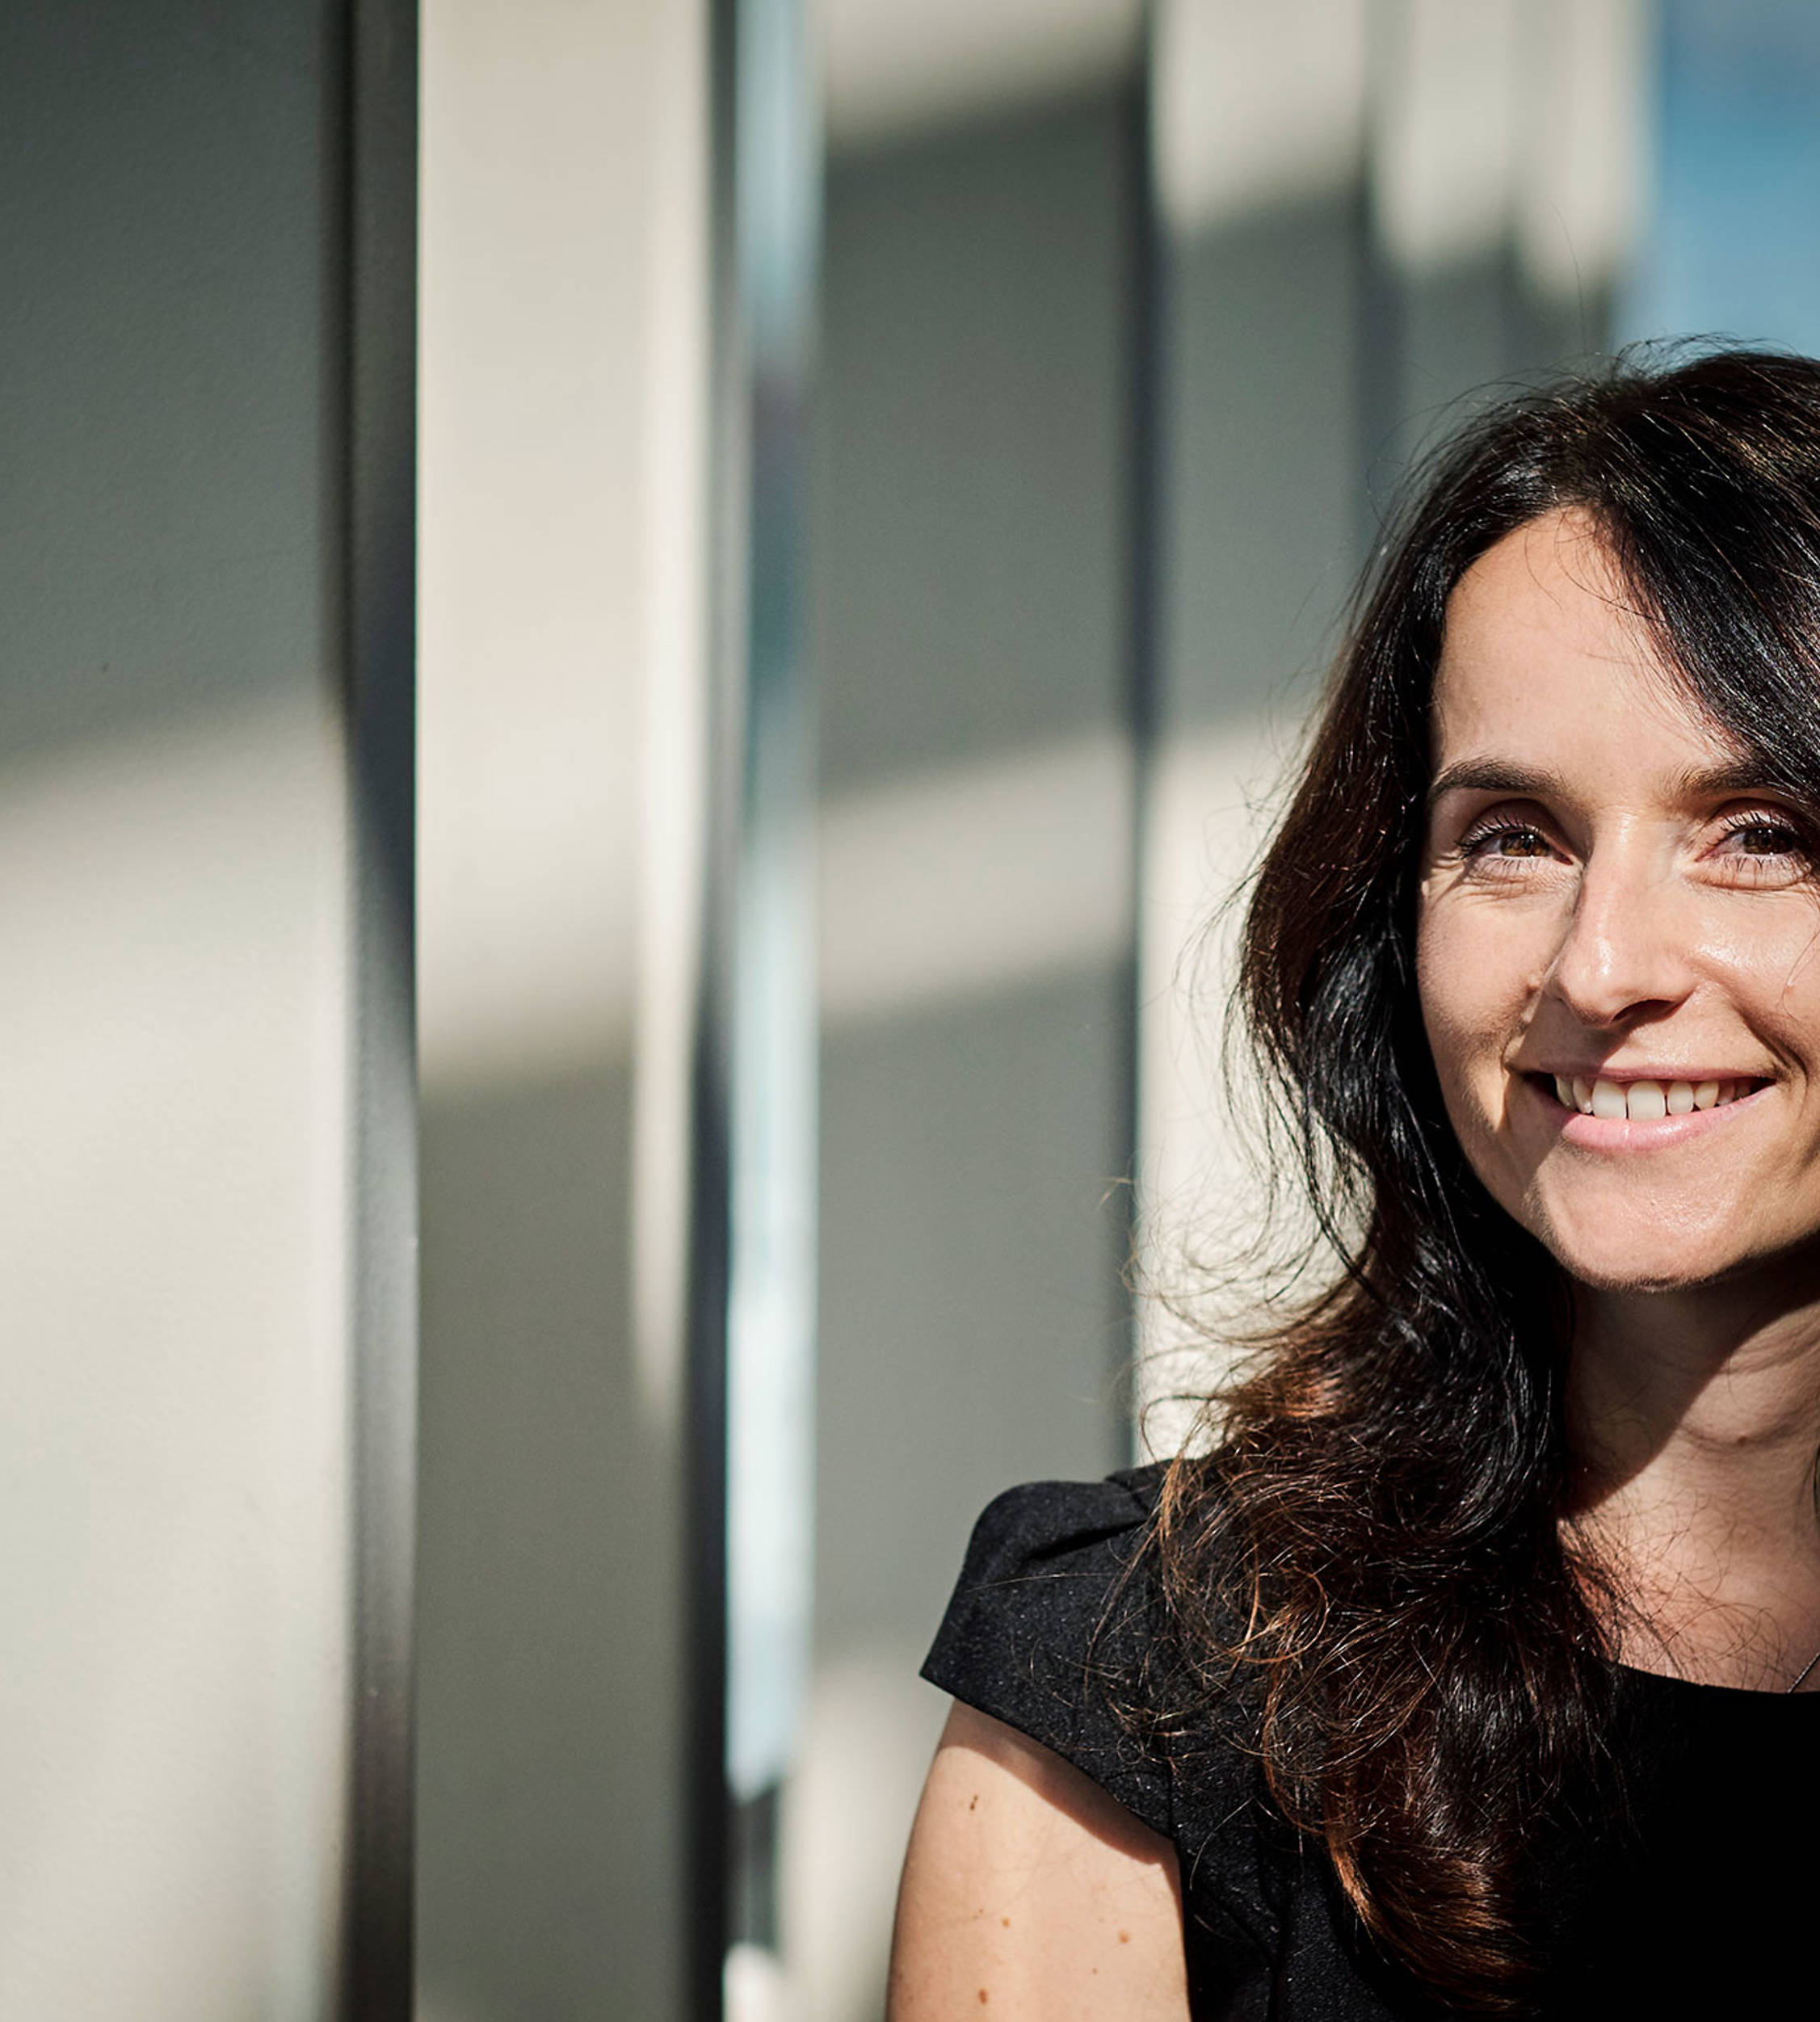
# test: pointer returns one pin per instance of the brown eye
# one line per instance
(1514, 840)
(1767, 839)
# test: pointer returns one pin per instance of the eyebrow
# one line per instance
(1741, 775)
(1495, 776)
(1701, 783)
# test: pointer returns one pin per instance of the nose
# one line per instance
(1625, 952)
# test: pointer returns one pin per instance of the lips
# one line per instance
(1648, 1101)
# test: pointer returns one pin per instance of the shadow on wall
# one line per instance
(548, 1573)
(969, 587)
(175, 1198)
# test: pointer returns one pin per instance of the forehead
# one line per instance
(1542, 648)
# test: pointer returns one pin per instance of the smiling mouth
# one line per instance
(1645, 1101)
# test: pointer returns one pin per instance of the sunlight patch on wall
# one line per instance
(1213, 796)
(890, 69)
(974, 879)
(173, 907)
(1256, 106)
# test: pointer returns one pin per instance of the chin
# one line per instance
(1602, 1272)
(1614, 1251)
(1662, 1267)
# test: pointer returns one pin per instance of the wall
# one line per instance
(967, 539)
(202, 954)
(565, 249)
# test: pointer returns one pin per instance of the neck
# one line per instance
(1694, 1419)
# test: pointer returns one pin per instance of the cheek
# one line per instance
(1460, 994)
(1469, 1004)
(1773, 972)
(1762, 961)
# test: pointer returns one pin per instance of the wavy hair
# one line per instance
(1378, 1544)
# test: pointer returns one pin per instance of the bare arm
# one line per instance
(1029, 1895)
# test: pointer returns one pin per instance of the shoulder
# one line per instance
(1043, 1538)
(1059, 1629)
(1026, 1884)
(1056, 1559)
(1053, 1626)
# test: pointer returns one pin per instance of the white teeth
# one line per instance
(1646, 1102)
(1607, 1101)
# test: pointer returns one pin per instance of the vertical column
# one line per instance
(1504, 177)
(381, 115)
(970, 562)
(564, 587)
(205, 713)
(752, 1331)
(1259, 163)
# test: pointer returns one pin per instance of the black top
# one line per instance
(1706, 1905)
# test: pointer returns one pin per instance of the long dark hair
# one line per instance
(1375, 1548)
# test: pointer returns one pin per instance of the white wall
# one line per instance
(562, 585)
(176, 1220)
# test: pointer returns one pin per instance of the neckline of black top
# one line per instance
(1666, 1683)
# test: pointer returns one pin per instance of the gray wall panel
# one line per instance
(967, 580)
(169, 212)
(1260, 506)
(969, 1293)
(969, 609)
(549, 1554)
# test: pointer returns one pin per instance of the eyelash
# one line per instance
(1475, 845)
(1746, 824)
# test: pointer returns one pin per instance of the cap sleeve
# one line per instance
(1050, 1627)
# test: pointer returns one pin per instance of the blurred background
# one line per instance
(886, 478)
(1064, 355)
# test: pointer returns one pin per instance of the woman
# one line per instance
(1472, 1667)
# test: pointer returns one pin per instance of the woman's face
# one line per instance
(1619, 943)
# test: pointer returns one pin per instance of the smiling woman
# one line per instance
(1613, 918)
(1470, 1663)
